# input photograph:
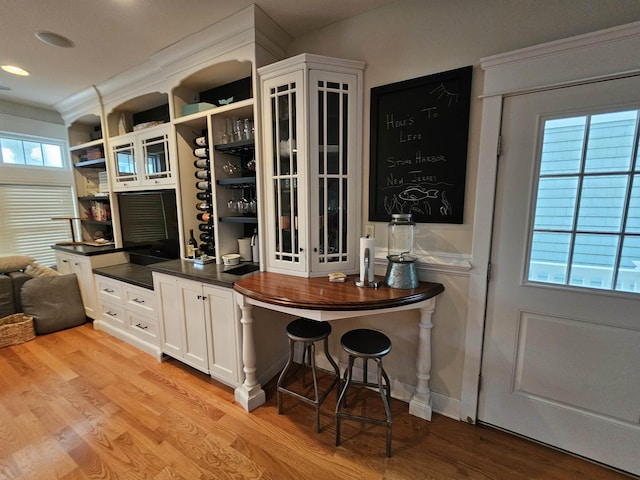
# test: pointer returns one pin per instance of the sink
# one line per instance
(242, 269)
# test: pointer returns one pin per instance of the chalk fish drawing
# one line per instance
(417, 199)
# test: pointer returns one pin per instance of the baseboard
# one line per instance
(441, 404)
(128, 338)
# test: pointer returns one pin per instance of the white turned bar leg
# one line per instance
(250, 394)
(420, 403)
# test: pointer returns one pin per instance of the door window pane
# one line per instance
(586, 227)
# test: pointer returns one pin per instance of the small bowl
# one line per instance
(231, 259)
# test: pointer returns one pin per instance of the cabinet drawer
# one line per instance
(141, 300)
(108, 289)
(142, 326)
(113, 314)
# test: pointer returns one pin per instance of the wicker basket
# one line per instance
(16, 329)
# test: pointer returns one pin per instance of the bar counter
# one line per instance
(319, 299)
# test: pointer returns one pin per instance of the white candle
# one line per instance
(370, 243)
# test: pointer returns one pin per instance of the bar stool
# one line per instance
(307, 331)
(368, 345)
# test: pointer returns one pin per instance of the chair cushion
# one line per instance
(54, 302)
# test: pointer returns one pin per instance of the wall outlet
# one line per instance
(369, 230)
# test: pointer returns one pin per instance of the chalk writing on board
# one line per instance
(419, 134)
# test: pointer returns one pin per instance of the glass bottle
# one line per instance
(203, 206)
(203, 196)
(206, 237)
(201, 163)
(201, 152)
(203, 174)
(200, 141)
(203, 185)
(192, 245)
(400, 235)
(203, 217)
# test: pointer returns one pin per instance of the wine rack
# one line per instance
(204, 196)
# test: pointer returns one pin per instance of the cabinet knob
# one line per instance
(65, 261)
(315, 250)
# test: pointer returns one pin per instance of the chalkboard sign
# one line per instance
(419, 131)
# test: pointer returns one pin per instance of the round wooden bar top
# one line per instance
(320, 294)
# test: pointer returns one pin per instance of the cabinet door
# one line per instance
(333, 171)
(125, 170)
(153, 157)
(63, 263)
(81, 266)
(285, 170)
(170, 320)
(225, 364)
(196, 333)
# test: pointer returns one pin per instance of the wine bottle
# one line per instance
(200, 141)
(205, 227)
(203, 196)
(192, 245)
(203, 174)
(201, 152)
(201, 163)
(204, 217)
(203, 206)
(206, 237)
(203, 185)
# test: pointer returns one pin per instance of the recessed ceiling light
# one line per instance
(15, 70)
(4, 87)
(54, 39)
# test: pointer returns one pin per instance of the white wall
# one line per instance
(413, 38)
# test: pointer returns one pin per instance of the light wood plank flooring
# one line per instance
(80, 404)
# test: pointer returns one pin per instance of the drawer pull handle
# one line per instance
(137, 300)
(143, 327)
(112, 314)
(108, 290)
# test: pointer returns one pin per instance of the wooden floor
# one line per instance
(80, 404)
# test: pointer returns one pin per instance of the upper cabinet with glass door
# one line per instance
(140, 144)
(312, 116)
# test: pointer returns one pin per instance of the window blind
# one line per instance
(26, 227)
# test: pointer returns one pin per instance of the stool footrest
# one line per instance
(360, 418)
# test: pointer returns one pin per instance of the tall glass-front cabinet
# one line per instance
(312, 116)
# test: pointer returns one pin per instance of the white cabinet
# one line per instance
(83, 267)
(128, 312)
(199, 325)
(142, 160)
(312, 116)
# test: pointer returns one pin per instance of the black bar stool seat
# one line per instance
(368, 345)
(308, 332)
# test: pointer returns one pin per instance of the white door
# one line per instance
(561, 358)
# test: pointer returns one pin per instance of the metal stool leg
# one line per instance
(343, 396)
(385, 401)
(334, 365)
(283, 375)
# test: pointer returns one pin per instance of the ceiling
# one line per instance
(113, 36)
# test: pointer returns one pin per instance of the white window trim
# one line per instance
(30, 174)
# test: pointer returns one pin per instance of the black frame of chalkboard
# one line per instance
(418, 147)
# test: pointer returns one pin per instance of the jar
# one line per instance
(400, 235)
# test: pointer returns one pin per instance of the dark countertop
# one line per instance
(210, 273)
(87, 250)
(142, 276)
(139, 275)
